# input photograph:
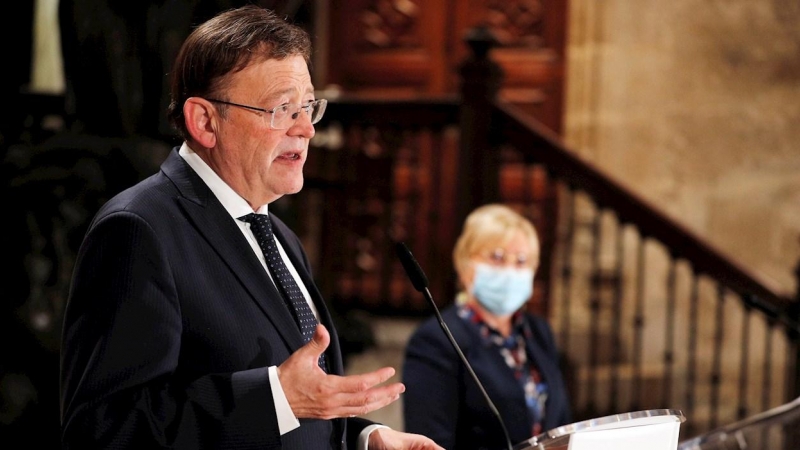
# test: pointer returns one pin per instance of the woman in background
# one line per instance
(512, 351)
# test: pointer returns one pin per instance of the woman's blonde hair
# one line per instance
(489, 225)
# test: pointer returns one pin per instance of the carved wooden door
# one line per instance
(406, 47)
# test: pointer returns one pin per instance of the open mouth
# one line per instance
(290, 156)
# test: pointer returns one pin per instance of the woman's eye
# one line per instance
(497, 256)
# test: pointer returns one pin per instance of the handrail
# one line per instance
(536, 141)
(779, 415)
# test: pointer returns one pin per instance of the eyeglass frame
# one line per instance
(323, 104)
(499, 257)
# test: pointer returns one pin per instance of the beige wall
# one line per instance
(695, 106)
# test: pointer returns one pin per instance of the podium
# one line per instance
(655, 429)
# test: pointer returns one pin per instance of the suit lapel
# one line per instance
(538, 354)
(221, 232)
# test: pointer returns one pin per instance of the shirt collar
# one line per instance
(231, 201)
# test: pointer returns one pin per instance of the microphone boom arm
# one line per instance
(420, 282)
(489, 402)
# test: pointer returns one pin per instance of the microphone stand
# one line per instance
(420, 282)
(444, 326)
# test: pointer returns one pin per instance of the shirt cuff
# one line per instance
(363, 437)
(286, 419)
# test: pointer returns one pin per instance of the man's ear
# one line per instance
(201, 117)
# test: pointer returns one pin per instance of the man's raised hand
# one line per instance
(312, 393)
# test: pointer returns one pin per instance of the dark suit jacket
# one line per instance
(171, 324)
(443, 402)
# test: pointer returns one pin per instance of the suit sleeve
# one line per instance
(121, 345)
(431, 373)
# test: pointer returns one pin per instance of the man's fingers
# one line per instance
(368, 401)
(365, 381)
(314, 394)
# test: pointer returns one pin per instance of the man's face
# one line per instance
(258, 162)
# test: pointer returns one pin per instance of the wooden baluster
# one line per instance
(638, 327)
(616, 319)
(548, 208)
(669, 338)
(566, 249)
(566, 271)
(691, 370)
(766, 383)
(741, 411)
(716, 365)
(595, 311)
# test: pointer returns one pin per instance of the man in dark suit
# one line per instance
(193, 320)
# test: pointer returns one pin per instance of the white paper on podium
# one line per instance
(652, 436)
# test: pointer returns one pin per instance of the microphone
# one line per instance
(420, 282)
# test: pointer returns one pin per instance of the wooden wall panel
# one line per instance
(530, 50)
(387, 47)
(407, 47)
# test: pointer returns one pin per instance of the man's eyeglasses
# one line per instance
(284, 116)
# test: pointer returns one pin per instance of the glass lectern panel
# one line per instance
(559, 438)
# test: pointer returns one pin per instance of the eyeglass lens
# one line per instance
(500, 256)
(285, 116)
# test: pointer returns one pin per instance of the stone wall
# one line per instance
(695, 106)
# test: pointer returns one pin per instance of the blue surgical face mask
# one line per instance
(502, 290)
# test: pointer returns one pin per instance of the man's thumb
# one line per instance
(321, 339)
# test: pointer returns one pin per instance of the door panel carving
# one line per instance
(408, 47)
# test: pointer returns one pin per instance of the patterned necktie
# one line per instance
(261, 226)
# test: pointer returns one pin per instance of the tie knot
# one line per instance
(259, 222)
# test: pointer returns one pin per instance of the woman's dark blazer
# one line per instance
(443, 402)
(171, 324)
